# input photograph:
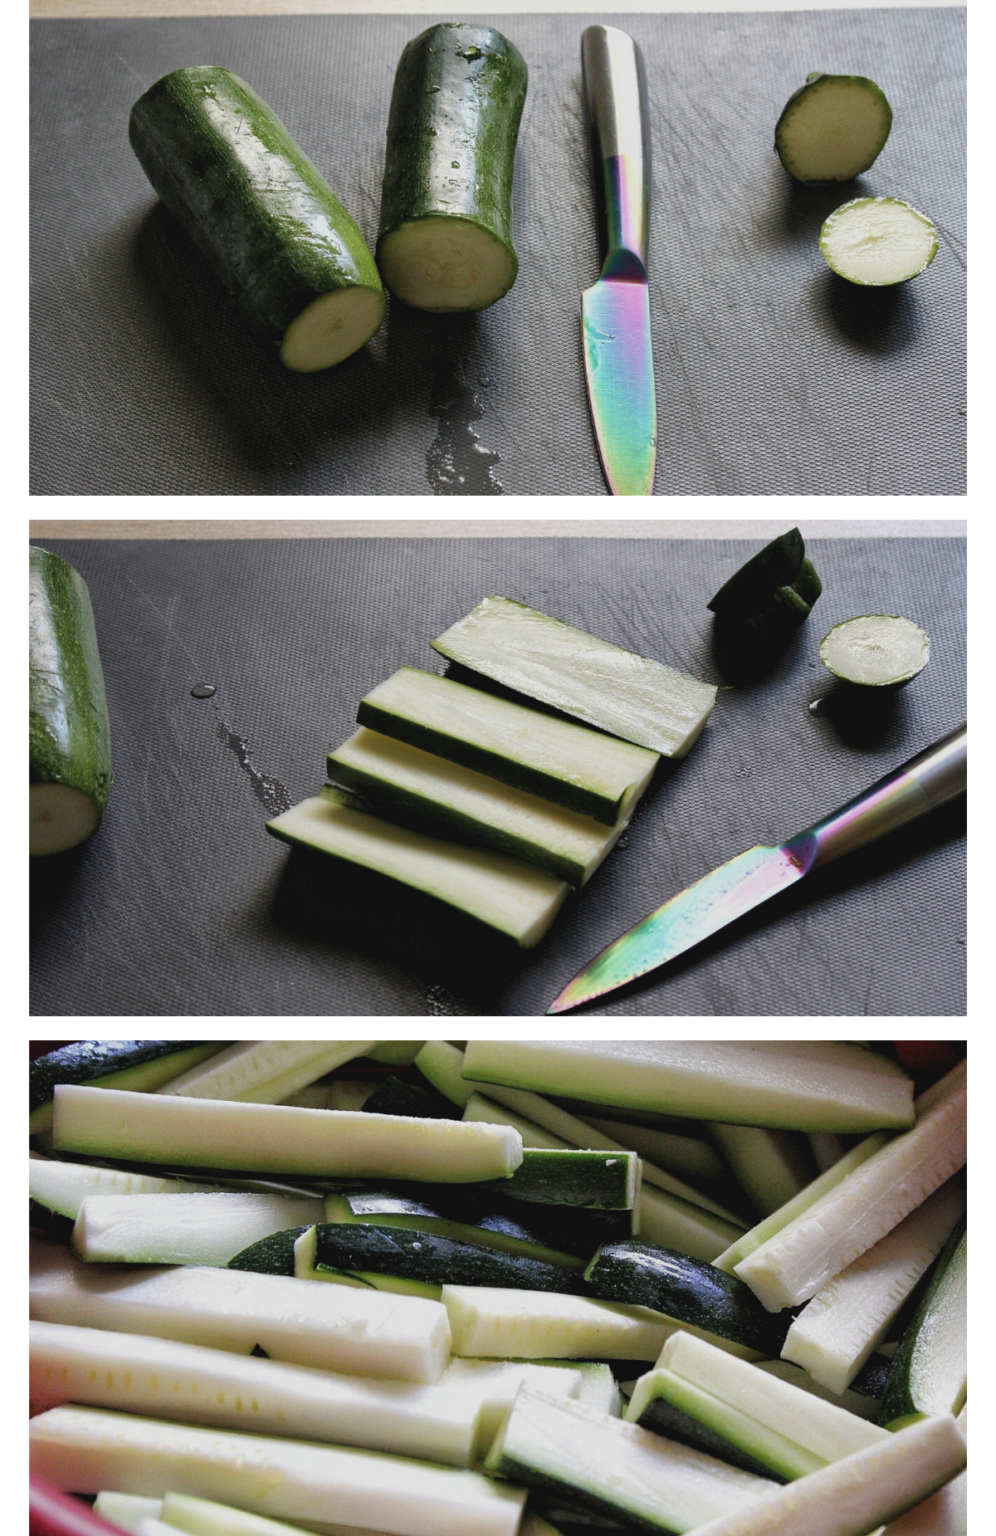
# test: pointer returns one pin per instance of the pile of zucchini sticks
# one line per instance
(504, 1288)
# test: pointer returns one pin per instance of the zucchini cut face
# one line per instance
(832, 128)
(876, 242)
(445, 264)
(877, 650)
(331, 328)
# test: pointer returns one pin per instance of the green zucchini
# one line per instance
(138, 1065)
(272, 1255)
(771, 1167)
(431, 1259)
(878, 650)
(397, 1096)
(774, 592)
(205, 1517)
(126, 1510)
(265, 220)
(515, 898)
(69, 728)
(877, 242)
(445, 239)
(928, 1372)
(688, 1291)
(265, 1071)
(186, 1228)
(616, 690)
(832, 128)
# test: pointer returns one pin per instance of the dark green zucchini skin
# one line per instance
(413, 1255)
(897, 1401)
(674, 1424)
(89, 1059)
(272, 1255)
(70, 730)
(642, 1275)
(458, 97)
(265, 220)
(397, 1096)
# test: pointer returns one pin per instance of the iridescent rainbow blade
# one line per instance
(619, 368)
(688, 918)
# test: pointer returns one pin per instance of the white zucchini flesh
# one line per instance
(472, 807)
(204, 1517)
(945, 1513)
(797, 1085)
(334, 1328)
(801, 1202)
(820, 1427)
(489, 1322)
(445, 264)
(490, 1387)
(771, 1167)
(516, 898)
(604, 685)
(677, 1224)
(684, 1156)
(876, 650)
(160, 1378)
(184, 1228)
(876, 242)
(485, 1110)
(223, 1133)
(331, 328)
(854, 1402)
(127, 1510)
(85, 1449)
(627, 1472)
(62, 1187)
(834, 1335)
(856, 1495)
(858, 1212)
(265, 1071)
(441, 1064)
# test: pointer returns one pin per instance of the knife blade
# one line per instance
(615, 311)
(928, 780)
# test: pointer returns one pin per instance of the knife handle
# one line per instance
(928, 780)
(615, 91)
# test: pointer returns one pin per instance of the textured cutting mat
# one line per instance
(182, 904)
(773, 376)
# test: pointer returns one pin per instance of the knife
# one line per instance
(925, 782)
(615, 312)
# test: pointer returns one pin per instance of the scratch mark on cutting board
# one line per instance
(271, 794)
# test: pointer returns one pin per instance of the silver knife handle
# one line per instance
(925, 782)
(615, 89)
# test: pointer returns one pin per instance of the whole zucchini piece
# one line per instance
(445, 239)
(70, 733)
(268, 224)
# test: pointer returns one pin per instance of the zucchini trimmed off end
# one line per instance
(774, 592)
(265, 220)
(70, 733)
(832, 128)
(877, 650)
(877, 242)
(445, 238)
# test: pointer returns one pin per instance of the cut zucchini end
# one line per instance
(877, 650)
(878, 241)
(331, 328)
(446, 264)
(61, 817)
(832, 128)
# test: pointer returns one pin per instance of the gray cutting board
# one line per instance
(773, 376)
(182, 904)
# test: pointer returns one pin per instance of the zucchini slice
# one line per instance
(139, 1065)
(265, 1071)
(361, 1333)
(427, 1257)
(61, 1188)
(877, 242)
(205, 1517)
(771, 1167)
(421, 790)
(127, 1510)
(580, 769)
(878, 650)
(86, 1449)
(265, 220)
(604, 685)
(488, 1322)
(183, 1228)
(70, 732)
(515, 898)
(478, 1221)
(832, 128)
(929, 1369)
(445, 239)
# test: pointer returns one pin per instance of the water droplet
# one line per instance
(816, 708)
(203, 691)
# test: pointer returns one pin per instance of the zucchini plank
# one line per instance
(265, 220)
(185, 1228)
(445, 239)
(928, 1373)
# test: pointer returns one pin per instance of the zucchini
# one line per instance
(214, 1387)
(333, 1328)
(265, 1071)
(398, 1096)
(592, 774)
(204, 1517)
(688, 1292)
(674, 1223)
(565, 1177)
(837, 1331)
(771, 1167)
(441, 1064)
(224, 1133)
(427, 1257)
(616, 1468)
(929, 1368)
(445, 240)
(866, 1407)
(267, 223)
(86, 1449)
(492, 1385)
(273, 1255)
(859, 1210)
(489, 1322)
(69, 727)
(395, 1053)
(183, 1228)
(139, 1065)
(515, 898)
(773, 593)
(686, 1157)
(876, 651)
(832, 128)
(877, 242)
(856, 1495)
(127, 1510)
(797, 1085)
(604, 685)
